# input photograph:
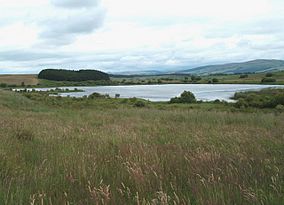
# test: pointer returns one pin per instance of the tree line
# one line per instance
(71, 75)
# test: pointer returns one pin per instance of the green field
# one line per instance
(32, 80)
(107, 151)
(222, 79)
(174, 79)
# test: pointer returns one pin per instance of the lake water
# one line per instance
(205, 92)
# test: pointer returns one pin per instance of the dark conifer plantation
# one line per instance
(70, 75)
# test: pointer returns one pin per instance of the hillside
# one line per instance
(255, 66)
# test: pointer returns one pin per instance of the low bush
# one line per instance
(267, 98)
(139, 103)
(215, 80)
(3, 85)
(97, 95)
(268, 80)
(185, 97)
(244, 76)
(195, 78)
(280, 107)
(268, 75)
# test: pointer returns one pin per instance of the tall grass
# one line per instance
(111, 153)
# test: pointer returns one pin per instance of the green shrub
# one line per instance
(215, 80)
(3, 85)
(267, 98)
(195, 78)
(124, 101)
(268, 80)
(185, 97)
(139, 103)
(268, 75)
(217, 101)
(280, 107)
(96, 95)
(242, 103)
(132, 100)
(244, 76)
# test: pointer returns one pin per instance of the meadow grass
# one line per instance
(106, 151)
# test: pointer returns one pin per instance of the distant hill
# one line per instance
(255, 66)
(70, 75)
(137, 73)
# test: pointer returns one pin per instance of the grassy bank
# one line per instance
(106, 151)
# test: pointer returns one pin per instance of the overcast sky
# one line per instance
(135, 35)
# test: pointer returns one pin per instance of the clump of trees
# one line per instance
(215, 80)
(135, 102)
(267, 98)
(71, 75)
(185, 97)
(97, 95)
(139, 103)
(268, 80)
(3, 85)
(195, 78)
(244, 76)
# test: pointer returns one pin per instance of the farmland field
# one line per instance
(19, 79)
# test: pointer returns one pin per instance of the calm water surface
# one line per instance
(205, 92)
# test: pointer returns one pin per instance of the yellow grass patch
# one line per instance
(19, 79)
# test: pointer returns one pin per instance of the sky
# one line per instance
(137, 35)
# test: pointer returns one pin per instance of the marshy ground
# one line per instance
(107, 151)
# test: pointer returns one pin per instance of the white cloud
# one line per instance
(75, 3)
(133, 34)
(17, 35)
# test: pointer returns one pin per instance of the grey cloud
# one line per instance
(75, 3)
(28, 55)
(63, 31)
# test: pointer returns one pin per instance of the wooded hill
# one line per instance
(71, 75)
